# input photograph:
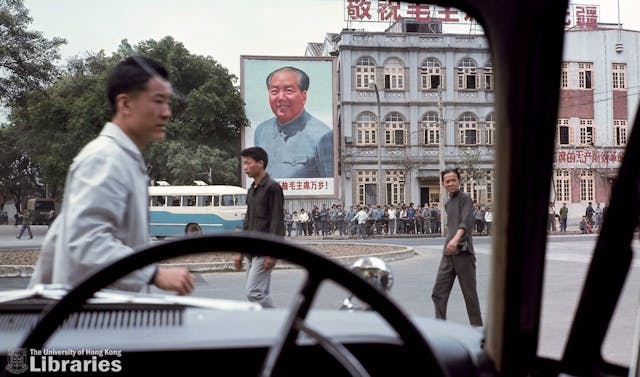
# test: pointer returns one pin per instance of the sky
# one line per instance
(222, 30)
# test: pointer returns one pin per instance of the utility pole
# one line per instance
(441, 131)
(379, 132)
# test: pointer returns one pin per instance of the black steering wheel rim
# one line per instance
(258, 244)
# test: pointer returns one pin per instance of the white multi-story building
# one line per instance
(404, 91)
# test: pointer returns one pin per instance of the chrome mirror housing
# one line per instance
(375, 271)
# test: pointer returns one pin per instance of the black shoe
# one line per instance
(31, 237)
(17, 237)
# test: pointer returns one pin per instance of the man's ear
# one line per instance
(123, 103)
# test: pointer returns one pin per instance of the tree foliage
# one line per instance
(52, 124)
(27, 64)
(26, 58)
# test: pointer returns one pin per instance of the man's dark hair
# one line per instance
(256, 153)
(303, 78)
(450, 170)
(132, 75)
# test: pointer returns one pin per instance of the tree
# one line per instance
(18, 174)
(189, 163)
(26, 65)
(52, 124)
(26, 58)
(208, 105)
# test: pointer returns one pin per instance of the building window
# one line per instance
(365, 72)
(393, 74)
(489, 179)
(467, 75)
(565, 136)
(619, 74)
(488, 77)
(367, 187)
(562, 185)
(394, 180)
(468, 185)
(564, 76)
(394, 129)
(430, 74)
(586, 186)
(585, 72)
(430, 128)
(468, 129)
(620, 132)
(490, 129)
(587, 133)
(366, 129)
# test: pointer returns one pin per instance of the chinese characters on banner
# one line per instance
(385, 10)
(589, 157)
(306, 186)
(578, 15)
(582, 16)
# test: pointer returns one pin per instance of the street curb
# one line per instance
(26, 270)
(16, 271)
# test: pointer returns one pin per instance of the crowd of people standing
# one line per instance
(590, 222)
(364, 220)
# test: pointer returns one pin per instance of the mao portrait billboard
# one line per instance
(290, 105)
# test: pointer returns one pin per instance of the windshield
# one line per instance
(360, 107)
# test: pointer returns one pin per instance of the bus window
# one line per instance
(188, 201)
(216, 200)
(157, 201)
(173, 201)
(227, 200)
(241, 200)
(204, 200)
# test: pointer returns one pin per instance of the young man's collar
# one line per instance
(260, 181)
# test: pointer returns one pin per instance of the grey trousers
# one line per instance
(464, 267)
(258, 282)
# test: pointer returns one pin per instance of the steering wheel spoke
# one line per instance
(291, 327)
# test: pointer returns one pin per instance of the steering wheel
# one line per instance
(319, 268)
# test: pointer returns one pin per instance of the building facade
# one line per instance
(598, 99)
(412, 102)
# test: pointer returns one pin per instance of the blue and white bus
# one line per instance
(214, 208)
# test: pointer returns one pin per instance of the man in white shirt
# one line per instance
(104, 215)
(392, 220)
(361, 218)
(304, 221)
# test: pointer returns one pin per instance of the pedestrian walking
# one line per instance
(104, 215)
(265, 213)
(458, 258)
(26, 217)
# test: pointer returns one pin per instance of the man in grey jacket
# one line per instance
(458, 257)
(104, 213)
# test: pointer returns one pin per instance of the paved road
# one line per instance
(8, 238)
(567, 263)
